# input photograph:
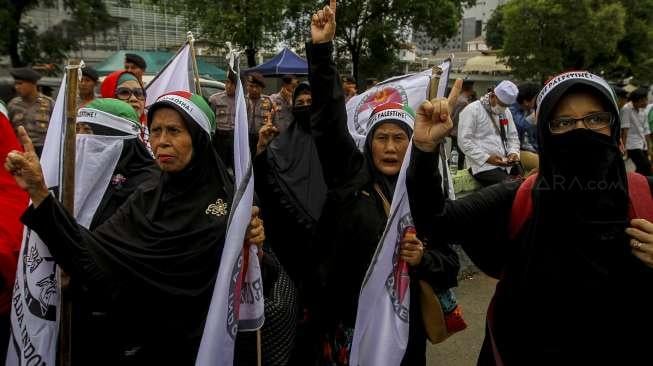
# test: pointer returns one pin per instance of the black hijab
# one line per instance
(165, 241)
(385, 182)
(574, 252)
(296, 167)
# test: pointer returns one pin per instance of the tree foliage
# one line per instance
(540, 38)
(25, 45)
(250, 24)
(371, 32)
(494, 29)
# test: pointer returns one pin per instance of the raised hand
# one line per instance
(432, 124)
(265, 135)
(323, 24)
(26, 169)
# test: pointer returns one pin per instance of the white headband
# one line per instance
(391, 115)
(189, 107)
(576, 75)
(96, 116)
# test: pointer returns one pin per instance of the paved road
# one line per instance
(462, 349)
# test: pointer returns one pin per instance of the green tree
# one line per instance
(494, 29)
(545, 37)
(25, 45)
(250, 24)
(370, 32)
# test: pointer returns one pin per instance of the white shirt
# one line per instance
(637, 124)
(478, 137)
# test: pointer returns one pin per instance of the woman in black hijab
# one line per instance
(360, 192)
(570, 291)
(158, 255)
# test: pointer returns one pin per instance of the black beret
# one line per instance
(91, 73)
(256, 78)
(136, 60)
(25, 73)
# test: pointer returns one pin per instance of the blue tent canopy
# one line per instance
(286, 62)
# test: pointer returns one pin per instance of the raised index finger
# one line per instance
(332, 5)
(25, 140)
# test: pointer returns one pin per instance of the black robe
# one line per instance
(354, 218)
(570, 290)
(156, 258)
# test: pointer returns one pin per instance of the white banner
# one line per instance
(237, 302)
(381, 332)
(408, 89)
(35, 304)
(35, 301)
(382, 317)
(176, 75)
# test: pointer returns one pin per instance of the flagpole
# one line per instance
(196, 73)
(68, 201)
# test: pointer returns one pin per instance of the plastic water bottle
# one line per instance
(453, 162)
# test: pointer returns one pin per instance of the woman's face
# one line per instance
(579, 105)
(389, 145)
(170, 140)
(136, 98)
(83, 129)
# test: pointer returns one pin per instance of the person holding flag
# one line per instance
(157, 256)
(13, 201)
(361, 187)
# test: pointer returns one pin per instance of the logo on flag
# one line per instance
(398, 282)
(376, 96)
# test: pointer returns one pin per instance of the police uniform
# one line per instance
(34, 115)
(260, 111)
(224, 107)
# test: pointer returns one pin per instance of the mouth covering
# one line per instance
(112, 117)
(400, 115)
(296, 167)
(575, 249)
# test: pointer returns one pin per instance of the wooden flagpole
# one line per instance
(196, 72)
(68, 201)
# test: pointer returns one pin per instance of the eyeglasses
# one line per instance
(594, 121)
(126, 93)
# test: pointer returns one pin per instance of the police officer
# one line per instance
(136, 65)
(260, 108)
(87, 86)
(30, 108)
(224, 106)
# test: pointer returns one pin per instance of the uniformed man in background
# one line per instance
(87, 86)
(136, 65)
(224, 106)
(30, 109)
(260, 109)
(283, 101)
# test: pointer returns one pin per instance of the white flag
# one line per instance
(237, 302)
(35, 304)
(176, 75)
(382, 317)
(408, 89)
(35, 300)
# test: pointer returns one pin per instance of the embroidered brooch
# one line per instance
(219, 208)
(117, 180)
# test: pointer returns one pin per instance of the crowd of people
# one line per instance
(559, 220)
